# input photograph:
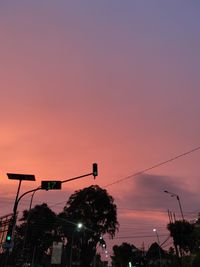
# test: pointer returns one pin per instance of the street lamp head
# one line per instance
(177, 197)
(154, 230)
(172, 194)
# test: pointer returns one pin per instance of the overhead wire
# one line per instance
(139, 173)
(153, 167)
(145, 170)
(137, 236)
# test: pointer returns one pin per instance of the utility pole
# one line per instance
(20, 177)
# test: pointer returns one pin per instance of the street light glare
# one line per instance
(154, 229)
(79, 225)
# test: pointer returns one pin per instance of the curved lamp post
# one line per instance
(79, 226)
(179, 202)
(155, 231)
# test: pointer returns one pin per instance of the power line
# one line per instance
(154, 166)
(143, 171)
(137, 236)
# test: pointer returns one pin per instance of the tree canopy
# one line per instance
(125, 253)
(34, 235)
(95, 209)
(183, 235)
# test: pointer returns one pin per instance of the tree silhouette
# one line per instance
(34, 235)
(95, 209)
(125, 253)
(155, 255)
(183, 235)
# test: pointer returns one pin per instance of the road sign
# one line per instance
(56, 253)
(51, 185)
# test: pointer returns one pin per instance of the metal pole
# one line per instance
(179, 202)
(70, 259)
(77, 177)
(158, 247)
(16, 200)
(27, 222)
(14, 219)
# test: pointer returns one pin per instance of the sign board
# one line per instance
(51, 185)
(56, 253)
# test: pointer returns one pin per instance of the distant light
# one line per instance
(129, 264)
(79, 225)
(101, 237)
(104, 245)
(154, 230)
(106, 251)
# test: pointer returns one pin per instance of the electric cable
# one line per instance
(153, 167)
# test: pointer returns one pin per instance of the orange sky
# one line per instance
(114, 83)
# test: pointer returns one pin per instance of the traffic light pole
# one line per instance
(94, 173)
(78, 177)
(50, 185)
(17, 199)
(15, 206)
(11, 227)
(10, 235)
(27, 192)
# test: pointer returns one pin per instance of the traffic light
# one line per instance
(9, 233)
(8, 238)
(51, 185)
(95, 170)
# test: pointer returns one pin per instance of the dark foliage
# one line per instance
(95, 209)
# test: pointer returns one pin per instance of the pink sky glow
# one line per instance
(111, 82)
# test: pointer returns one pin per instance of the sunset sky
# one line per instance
(113, 82)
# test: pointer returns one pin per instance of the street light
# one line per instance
(179, 202)
(29, 211)
(155, 231)
(79, 226)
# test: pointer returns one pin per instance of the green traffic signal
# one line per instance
(8, 238)
(9, 231)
